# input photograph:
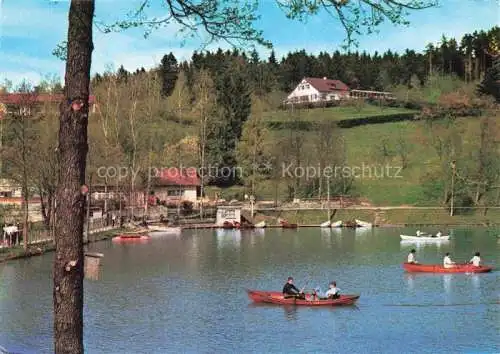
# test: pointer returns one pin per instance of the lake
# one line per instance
(187, 295)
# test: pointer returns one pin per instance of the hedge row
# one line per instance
(344, 123)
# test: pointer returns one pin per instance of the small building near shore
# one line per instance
(175, 185)
(231, 214)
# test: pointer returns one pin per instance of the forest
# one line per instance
(223, 110)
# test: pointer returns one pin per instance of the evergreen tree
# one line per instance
(169, 72)
(491, 82)
(234, 100)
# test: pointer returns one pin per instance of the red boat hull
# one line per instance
(276, 297)
(437, 268)
(130, 238)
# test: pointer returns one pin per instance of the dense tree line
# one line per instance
(468, 58)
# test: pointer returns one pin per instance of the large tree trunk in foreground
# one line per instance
(68, 262)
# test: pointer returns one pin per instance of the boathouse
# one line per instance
(231, 214)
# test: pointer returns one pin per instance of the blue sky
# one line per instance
(31, 29)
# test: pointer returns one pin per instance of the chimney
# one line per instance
(324, 77)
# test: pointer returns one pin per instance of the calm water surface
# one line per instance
(188, 295)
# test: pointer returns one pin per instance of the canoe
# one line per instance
(336, 224)
(276, 297)
(260, 225)
(130, 238)
(326, 224)
(424, 238)
(363, 223)
(438, 268)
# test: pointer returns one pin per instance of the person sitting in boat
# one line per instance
(476, 260)
(411, 256)
(290, 290)
(439, 234)
(419, 233)
(333, 291)
(447, 262)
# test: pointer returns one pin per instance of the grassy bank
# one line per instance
(7, 254)
(395, 217)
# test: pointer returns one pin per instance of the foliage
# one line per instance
(491, 82)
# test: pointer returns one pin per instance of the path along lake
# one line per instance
(187, 295)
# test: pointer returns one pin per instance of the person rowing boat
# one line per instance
(476, 260)
(290, 290)
(447, 262)
(411, 256)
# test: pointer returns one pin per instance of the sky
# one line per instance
(31, 29)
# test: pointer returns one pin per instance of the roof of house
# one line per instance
(326, 85)
(19, 98)
(174, 176)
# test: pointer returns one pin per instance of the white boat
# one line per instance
(424, 238)
(336, 224)
(326, 224)
(363, 223)
(157, 229)
(260, 225)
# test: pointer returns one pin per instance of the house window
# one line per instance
(308, 87)
(174, 193)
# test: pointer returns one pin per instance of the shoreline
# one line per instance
(41, 248)
(386, 226)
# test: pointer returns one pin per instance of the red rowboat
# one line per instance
(276, 297)
(437, 268)
(130, 238)
(286, 225)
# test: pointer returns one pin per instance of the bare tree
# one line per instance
(204, 92)
(18, 151)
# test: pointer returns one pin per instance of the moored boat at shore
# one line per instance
(164, 229)
(276, 298)
(337, 224)
(130, 238)
(360, 223)
(286, 225)
(438, 268)
(326, 224)
(260, 225)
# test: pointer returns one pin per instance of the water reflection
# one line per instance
(362, 231)
(476, 281)
(447, 283)
(228, 238)
(290, 313)
(255, 235)
(418, 245)
(326, 237)
(410, 281)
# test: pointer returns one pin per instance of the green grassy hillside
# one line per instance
(375, 146)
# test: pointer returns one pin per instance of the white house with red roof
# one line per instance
(312, 90)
